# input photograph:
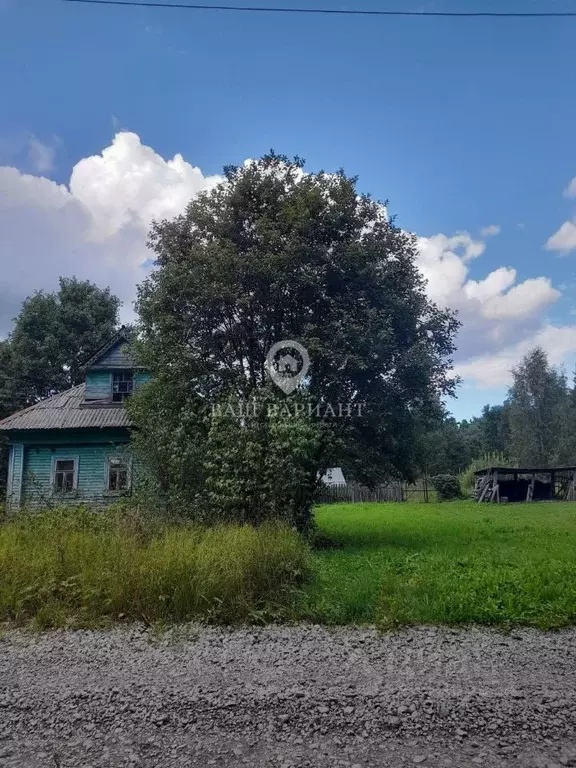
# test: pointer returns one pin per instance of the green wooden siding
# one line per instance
(15, 470)
(92, 473)
(117, 357)
(98, 385)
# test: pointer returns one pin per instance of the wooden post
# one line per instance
(530, 491)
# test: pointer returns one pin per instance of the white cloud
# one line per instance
(564, 240)
(40, 156)
(493, 370)
(491, 230)
(95, 228)
(570, 190)
(496, 311)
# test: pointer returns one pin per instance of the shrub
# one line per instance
(77, 568)
(215, 466)
(447, 487)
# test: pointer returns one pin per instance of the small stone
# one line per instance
(419, 759)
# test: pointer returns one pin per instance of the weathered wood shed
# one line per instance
(498, 484)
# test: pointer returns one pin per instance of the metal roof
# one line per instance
(67, 411)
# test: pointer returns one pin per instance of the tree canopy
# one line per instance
(52, 336)
(274, 254)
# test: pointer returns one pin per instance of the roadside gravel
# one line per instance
(287, 697)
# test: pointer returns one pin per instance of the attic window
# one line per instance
(122, 385)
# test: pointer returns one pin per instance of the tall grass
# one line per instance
(79, 568)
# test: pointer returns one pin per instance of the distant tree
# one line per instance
(538, 404)
(8, 388)
(7, 401)
(273, 254)
(54, 334)
(449, 447)
(494, 426)
(567, 450)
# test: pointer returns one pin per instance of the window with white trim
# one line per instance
(118, 474)
(65, 475)
(122, 385)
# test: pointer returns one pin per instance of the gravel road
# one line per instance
(287, 697)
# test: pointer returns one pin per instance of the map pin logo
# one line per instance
(285, 368)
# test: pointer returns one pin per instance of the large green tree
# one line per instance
(274, 253)
(538, 405)
(52, 336)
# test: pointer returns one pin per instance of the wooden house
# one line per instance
(75, 446)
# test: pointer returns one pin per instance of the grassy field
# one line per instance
(449, 563)
(393, 564)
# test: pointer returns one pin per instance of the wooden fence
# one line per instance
(352, 492)
(393, 491)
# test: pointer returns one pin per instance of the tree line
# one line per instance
(535, 426)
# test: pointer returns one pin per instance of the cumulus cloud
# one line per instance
(564, 240)
(95, 227)
(497, 312)
(494, 370)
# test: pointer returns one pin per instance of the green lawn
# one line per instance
(449, 563)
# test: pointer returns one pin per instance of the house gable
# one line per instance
(114, 358)
(110, 362)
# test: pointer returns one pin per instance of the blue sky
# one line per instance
(460, 123)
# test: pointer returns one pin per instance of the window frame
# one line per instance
(55, 460)
(127, 460)
(125, 395)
